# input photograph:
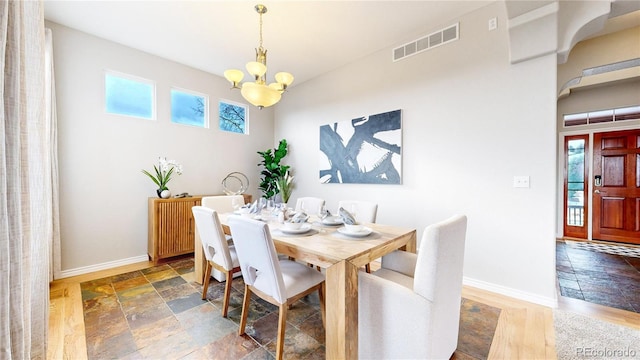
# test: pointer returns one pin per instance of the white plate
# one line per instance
(303, 229)
(363, 232)
(333, 220)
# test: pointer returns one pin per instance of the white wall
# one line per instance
(103, 194)
(471, 121)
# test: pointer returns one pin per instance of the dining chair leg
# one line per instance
(207, 278)
(245, 309)
(367, 268)
(282, 325)
(227, 293)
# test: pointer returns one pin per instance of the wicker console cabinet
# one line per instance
(171, 227)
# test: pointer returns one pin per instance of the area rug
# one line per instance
(623, 250)
(581, 337)
(157, 313)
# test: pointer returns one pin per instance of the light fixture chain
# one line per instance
(260, 29)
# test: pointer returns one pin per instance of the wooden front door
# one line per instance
(616, 184)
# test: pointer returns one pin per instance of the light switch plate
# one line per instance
(493, 23)
(520, 181)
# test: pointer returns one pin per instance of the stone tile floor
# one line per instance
(156, 313)
(597, 277)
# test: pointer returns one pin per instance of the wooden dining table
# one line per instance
(342, 257)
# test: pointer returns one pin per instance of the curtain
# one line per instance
(51, 121)
(26, 226)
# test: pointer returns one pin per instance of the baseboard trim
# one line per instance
(510, 292)
(104, 266)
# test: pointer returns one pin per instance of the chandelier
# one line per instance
(259, 93)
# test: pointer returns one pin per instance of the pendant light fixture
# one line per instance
(258, 92)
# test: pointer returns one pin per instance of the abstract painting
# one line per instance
(365, 150)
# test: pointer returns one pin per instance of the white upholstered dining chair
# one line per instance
(219, 254)
(280, 282)
(311, 205)
(363, 211)
(410, 308)
(222, 204)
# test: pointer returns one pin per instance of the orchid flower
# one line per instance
(163, 172)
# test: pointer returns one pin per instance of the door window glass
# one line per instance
(575, 182)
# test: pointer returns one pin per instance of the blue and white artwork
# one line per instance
(365, 150)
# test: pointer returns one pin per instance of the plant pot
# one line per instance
(163, 194)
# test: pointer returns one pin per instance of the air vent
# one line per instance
(428, 42)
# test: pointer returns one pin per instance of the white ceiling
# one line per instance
(306, 38)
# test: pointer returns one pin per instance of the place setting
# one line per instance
(351, 229)
(295, 225)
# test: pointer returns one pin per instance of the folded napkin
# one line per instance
(299, 217)
(254, 209)
(346, 216)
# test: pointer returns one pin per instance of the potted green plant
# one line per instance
(272, 170)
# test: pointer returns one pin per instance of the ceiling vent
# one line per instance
(428, 42)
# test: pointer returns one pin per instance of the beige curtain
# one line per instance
(51, 121)
(26, 226)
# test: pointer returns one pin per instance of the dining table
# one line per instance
(342, 255)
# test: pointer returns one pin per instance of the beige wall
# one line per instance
(603, 97)
(601, 50)
(471, 122)
(103, 194)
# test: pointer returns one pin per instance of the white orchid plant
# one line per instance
(163, 171)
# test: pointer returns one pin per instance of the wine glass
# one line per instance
(271, 204)
(354, 212)
(270, 209)
(262, 203)
(322, 213)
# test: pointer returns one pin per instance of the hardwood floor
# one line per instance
(524, 331)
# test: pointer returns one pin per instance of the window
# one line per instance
(602, 116)
(233, 117)
(130, 96)
(575, 185)
(189, 108)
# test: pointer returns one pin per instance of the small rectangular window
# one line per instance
(628, 113)
(576, 119)
(234, 117)
(602, 116)
(130, 96)
(189, 108)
